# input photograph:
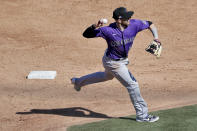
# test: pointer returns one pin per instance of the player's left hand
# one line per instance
(155, 48)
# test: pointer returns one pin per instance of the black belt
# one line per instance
(120, 59)
(123, 58)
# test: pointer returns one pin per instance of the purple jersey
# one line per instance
(116, 39)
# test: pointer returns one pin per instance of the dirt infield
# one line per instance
(46, 35)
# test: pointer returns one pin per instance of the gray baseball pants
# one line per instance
(119, 70)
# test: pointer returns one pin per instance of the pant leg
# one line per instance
(94, 78)
(121, 72)
(127, 79)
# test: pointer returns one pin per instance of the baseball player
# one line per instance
(119, 37)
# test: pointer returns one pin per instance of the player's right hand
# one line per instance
(99, 24)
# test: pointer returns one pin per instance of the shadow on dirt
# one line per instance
(73, 111)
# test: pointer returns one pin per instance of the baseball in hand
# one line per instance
(103, 20)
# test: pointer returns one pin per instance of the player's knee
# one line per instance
(133, 85)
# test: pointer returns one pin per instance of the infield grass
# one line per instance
(177, 119)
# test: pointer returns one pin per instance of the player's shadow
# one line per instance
(127, 118)
(73, 111)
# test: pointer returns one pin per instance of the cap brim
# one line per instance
(128, 15)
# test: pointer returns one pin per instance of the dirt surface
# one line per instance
(47, 35)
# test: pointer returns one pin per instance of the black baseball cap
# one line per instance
(122, 13)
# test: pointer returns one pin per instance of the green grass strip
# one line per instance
(177, 119)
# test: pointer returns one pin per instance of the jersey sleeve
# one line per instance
(142, 25)
(91, 32)
(100, 32)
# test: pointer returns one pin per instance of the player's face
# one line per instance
(125, 22)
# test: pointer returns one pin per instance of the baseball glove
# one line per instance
(155, 48)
